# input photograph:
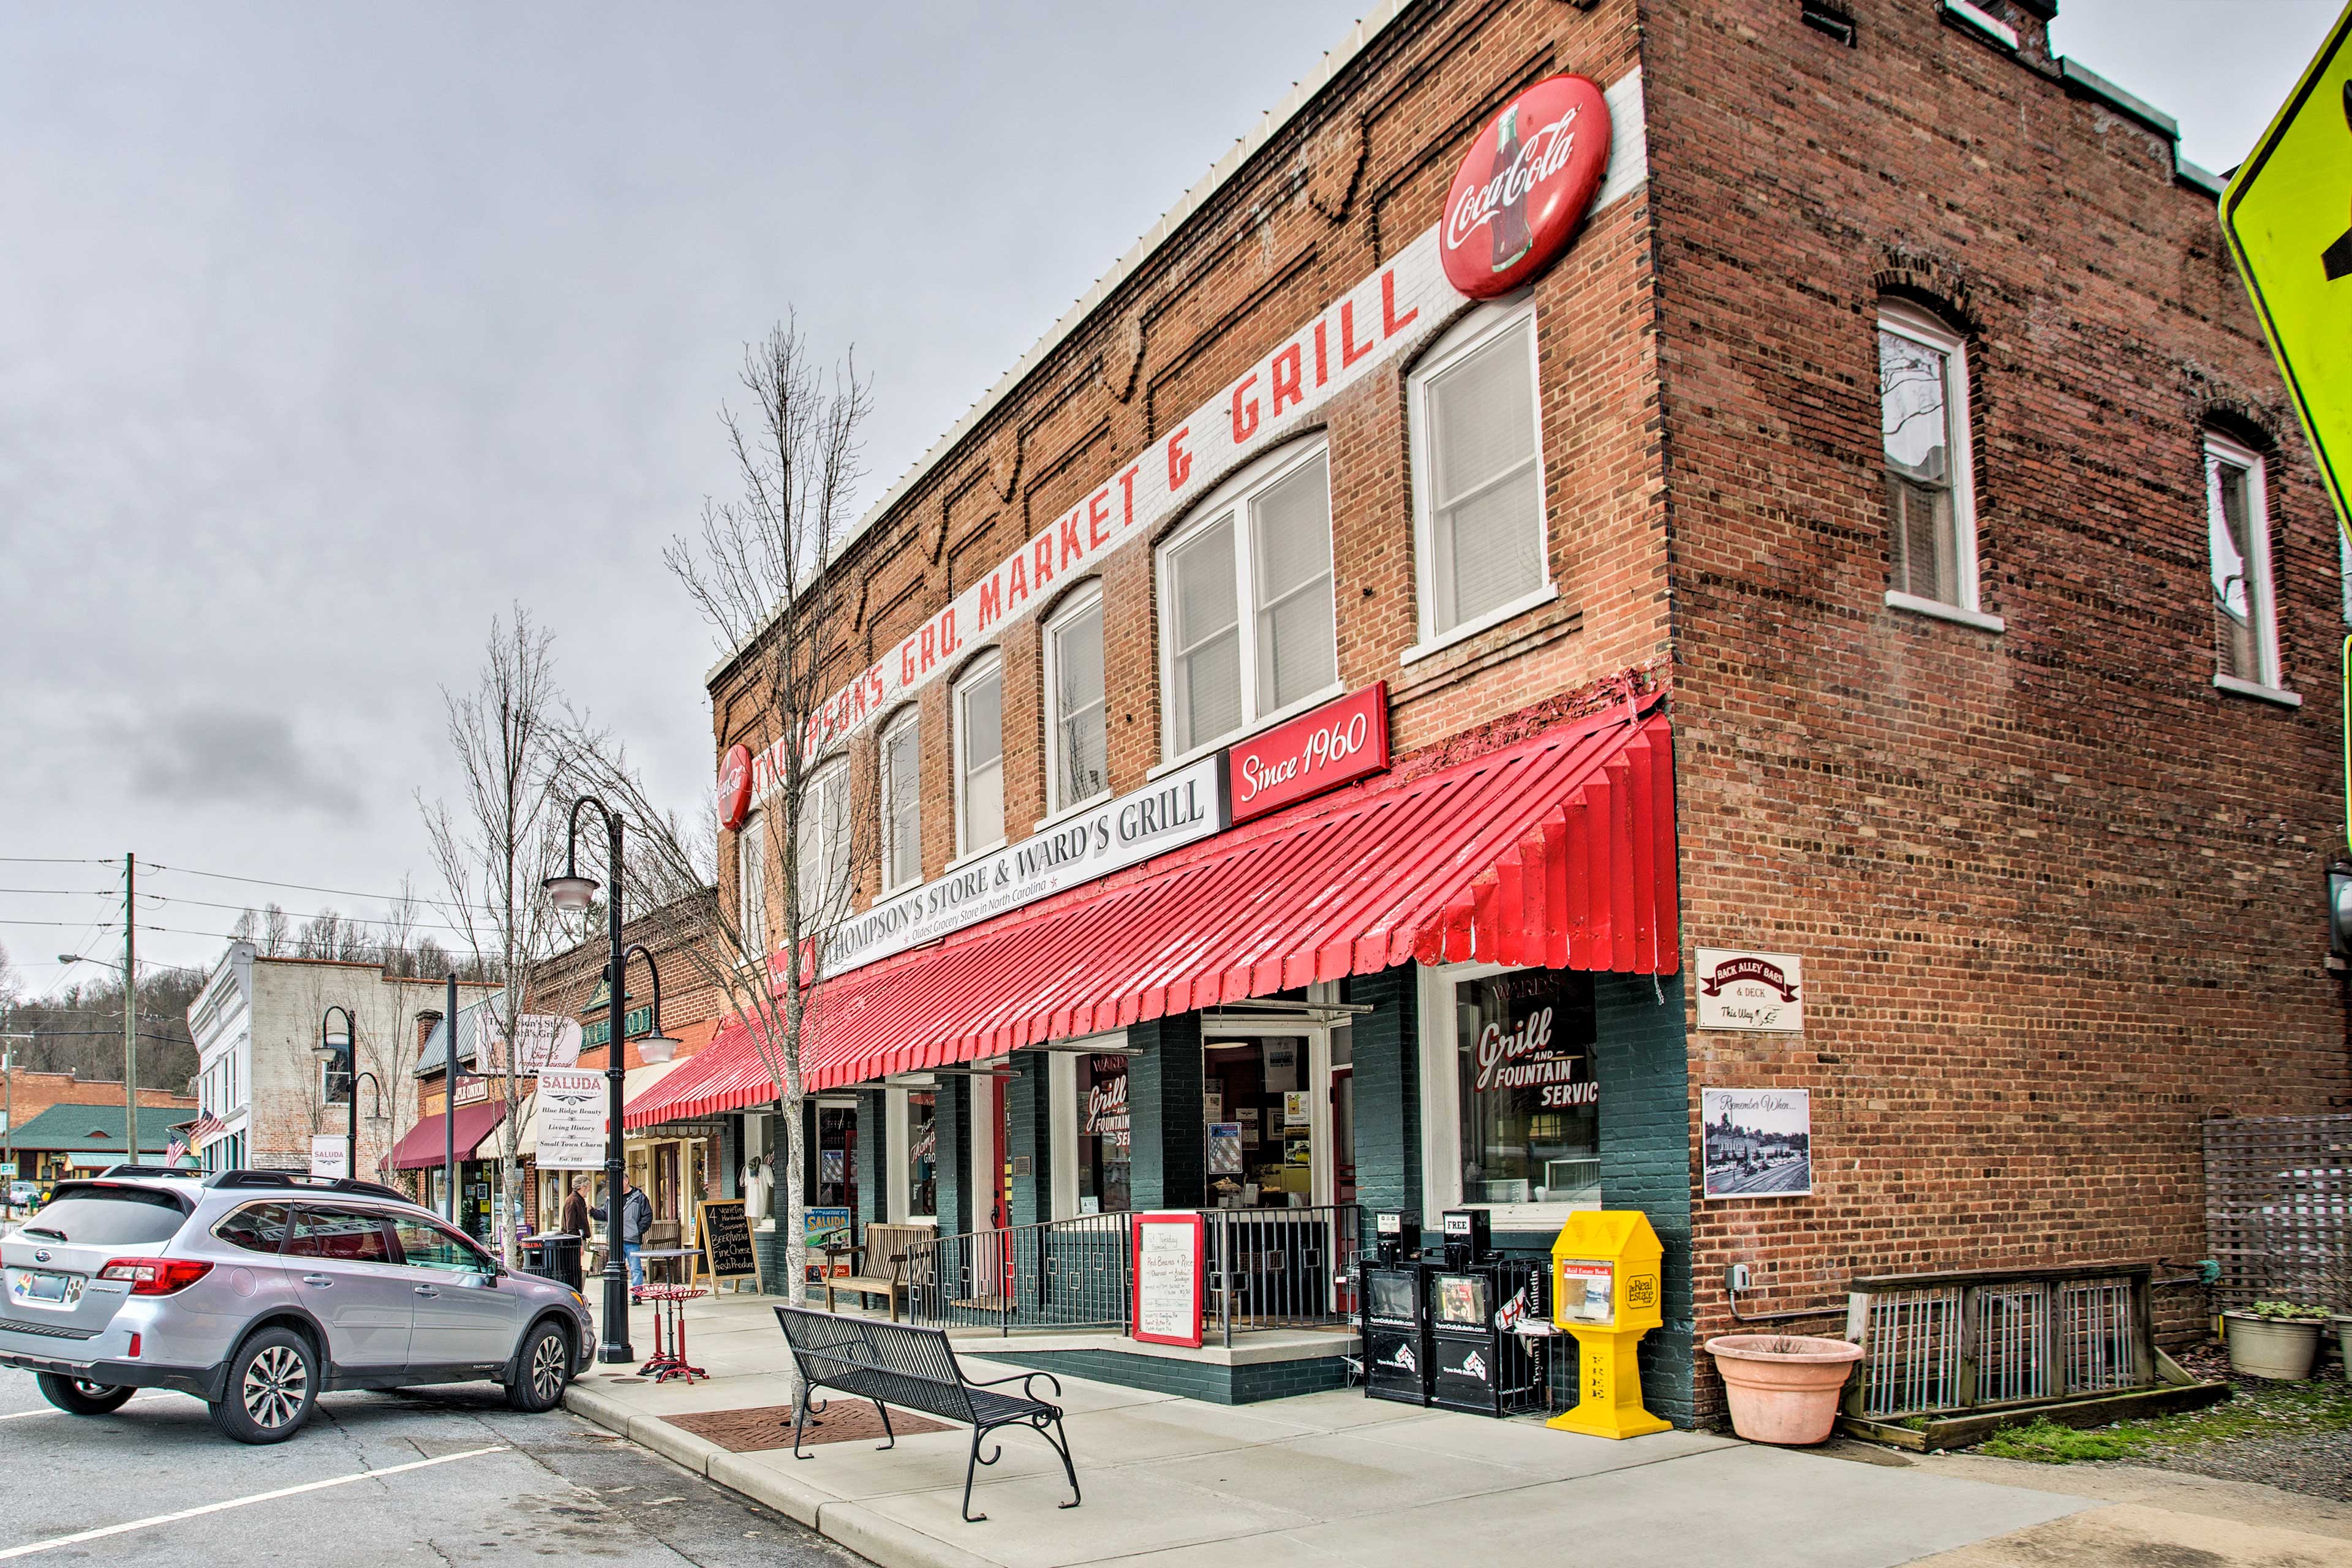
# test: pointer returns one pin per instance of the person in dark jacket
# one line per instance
(575, 1212)
(637, 1218)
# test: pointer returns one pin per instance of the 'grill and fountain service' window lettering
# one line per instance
(1531, 1102)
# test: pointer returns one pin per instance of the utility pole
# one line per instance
(131, 1005)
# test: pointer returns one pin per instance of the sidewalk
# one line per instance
(1336, 1477)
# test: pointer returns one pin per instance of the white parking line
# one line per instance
(80, 1536)
(21, 1415)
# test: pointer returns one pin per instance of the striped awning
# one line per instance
(1558, 852)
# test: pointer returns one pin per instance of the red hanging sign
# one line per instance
(1523, 186)
(1334, 744)
(735, 787)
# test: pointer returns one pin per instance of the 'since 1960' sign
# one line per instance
(1336, 744)
(1182, 806)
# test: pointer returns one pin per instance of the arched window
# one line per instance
(1923, 402)
(1077, 737)
(980, 756)
(902, 802)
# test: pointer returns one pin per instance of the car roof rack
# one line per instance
(303, 1181)
(129, 1170)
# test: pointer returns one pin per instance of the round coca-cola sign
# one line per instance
(735, 787)
(1523, 186)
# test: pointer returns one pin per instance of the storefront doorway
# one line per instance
(1265, 1122)
(836, 1157)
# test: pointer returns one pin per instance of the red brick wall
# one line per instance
(1344, 187)
(2057, 896)
(34, 1092)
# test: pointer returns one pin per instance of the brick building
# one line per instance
(258, 1079)
(30, 1094)
(1877, 540)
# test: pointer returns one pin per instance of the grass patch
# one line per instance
(2274, 1411)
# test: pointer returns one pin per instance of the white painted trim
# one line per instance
(910, 719)
(894, 1150)
(1440, 1107)
(1898, 600)
(1086, 596)
(2220, 449)
(2279, 695)
(988, 665)
(1984, 21)
(1907, 321)
(1235, 500)
(1467, 338)
(1062, 1129)
(1486, 623)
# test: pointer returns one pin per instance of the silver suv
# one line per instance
(258, 1290)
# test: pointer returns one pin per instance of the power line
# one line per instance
(49, 860)
(309, 887)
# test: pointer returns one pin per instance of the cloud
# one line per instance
(239, 757)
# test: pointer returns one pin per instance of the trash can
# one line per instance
(554, 1256)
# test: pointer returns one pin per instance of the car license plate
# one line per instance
(37, 1285)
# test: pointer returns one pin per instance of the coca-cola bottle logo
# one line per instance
(1523, 186)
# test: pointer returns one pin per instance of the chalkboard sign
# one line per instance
(727, 1251)
(1168, 1280)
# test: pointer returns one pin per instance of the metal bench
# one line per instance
(897, 1363)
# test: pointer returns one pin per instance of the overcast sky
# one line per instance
(329, 333)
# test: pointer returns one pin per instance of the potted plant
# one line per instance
(1782, 1388)
(2277, 1340)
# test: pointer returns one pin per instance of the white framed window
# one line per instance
(1480, 542)
(979, 757)
(1247, 632)
(2237, 528)
(335, 1080)
(1923, 405)
(1078, 736)
(821, 845)
(752, 881)
(2344, 571)
(1511, 1095)
(902, 802)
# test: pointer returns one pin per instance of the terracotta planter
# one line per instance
(1782, 1388)
(2282, 1349)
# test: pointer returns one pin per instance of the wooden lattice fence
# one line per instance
(2278, 1209)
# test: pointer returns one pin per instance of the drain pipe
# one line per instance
(1734, 1280)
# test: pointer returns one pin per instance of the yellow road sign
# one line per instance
(2288, 216)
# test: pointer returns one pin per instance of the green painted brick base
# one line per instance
(1185, 1379)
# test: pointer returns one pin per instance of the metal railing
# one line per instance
(1264, 1268)
(1281, 1268)
(1937, 1343)
(1067, 1274)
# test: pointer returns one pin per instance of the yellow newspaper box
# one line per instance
(1604, 1276)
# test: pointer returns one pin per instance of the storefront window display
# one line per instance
(1527, 1103)
(922, 1154)
(1260, 1116)
(1104, 1149)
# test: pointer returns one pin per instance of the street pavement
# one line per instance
(481, 1484)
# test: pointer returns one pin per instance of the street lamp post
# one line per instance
(573, 893)
(327, 1050)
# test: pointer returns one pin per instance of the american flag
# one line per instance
(175, 1150)
(205, 1128)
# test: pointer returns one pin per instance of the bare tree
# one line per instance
(497, 848)
(756, 569)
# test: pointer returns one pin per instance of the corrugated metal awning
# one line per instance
(1557, 852)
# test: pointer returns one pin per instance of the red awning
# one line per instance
(421, 1148)
(1559, 851)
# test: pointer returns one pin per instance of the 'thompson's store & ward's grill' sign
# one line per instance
(1392, 309)
(1170, 812)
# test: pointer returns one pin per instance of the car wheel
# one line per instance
(81, 1397)
(273, 1382)
(544, 1370)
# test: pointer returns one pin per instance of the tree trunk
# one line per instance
(795, 1202)
(510, 1177)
